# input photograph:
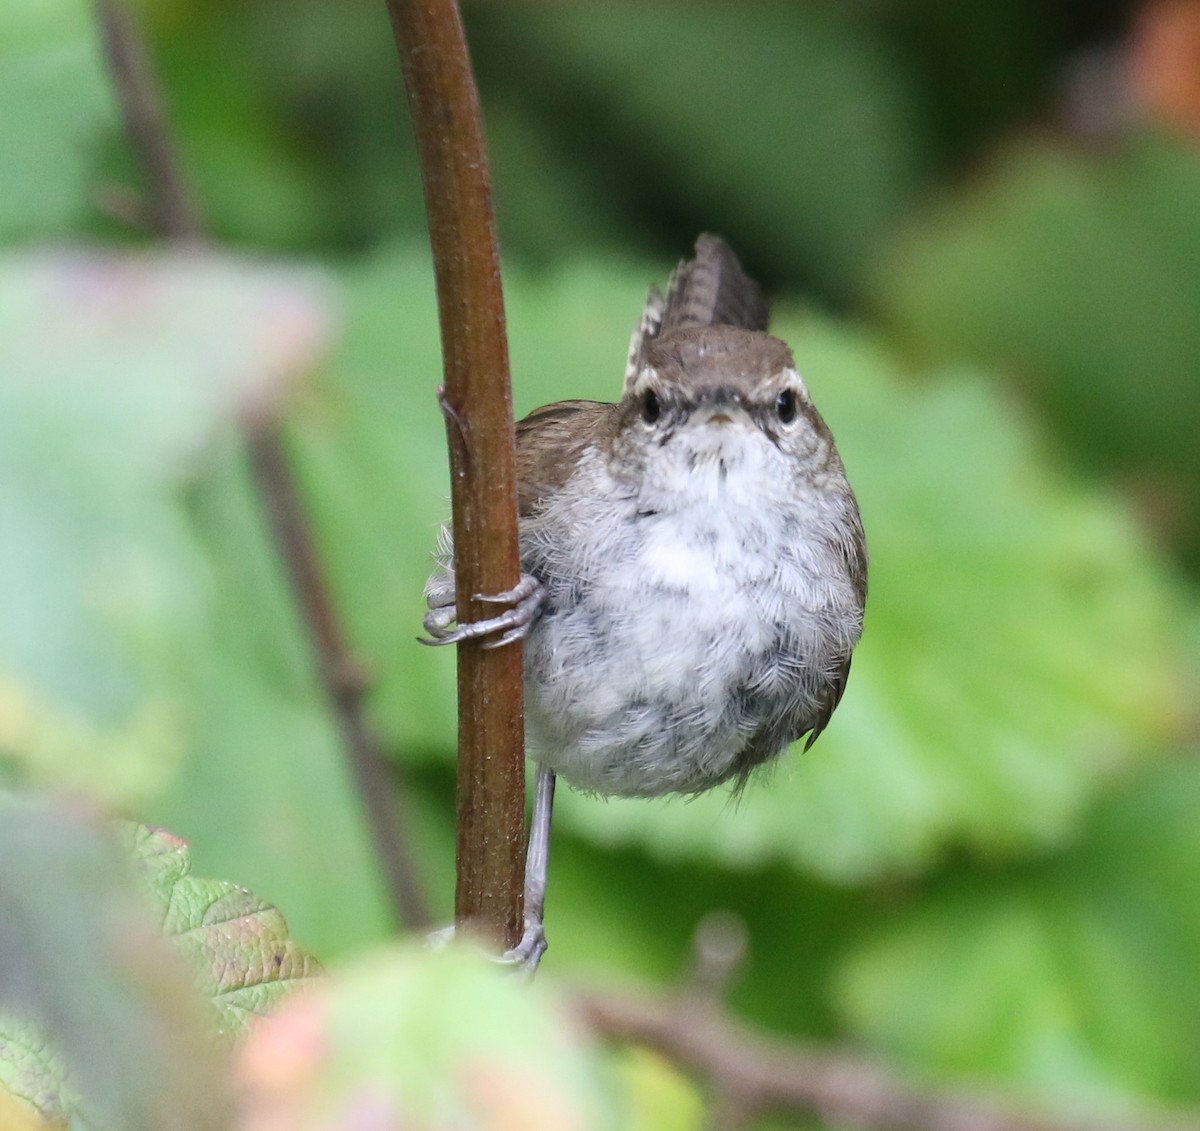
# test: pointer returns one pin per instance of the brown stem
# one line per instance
(174, 213)
(761, 1074)
(175, 216)
(444, 104)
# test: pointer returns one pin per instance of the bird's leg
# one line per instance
(528, 952)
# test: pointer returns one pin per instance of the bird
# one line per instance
(694, 565)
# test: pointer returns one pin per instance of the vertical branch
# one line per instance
(491, 768)
(175, 216)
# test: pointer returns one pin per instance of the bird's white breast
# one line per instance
(668, 610)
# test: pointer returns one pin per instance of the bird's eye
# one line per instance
(785, 406)
(651, 406)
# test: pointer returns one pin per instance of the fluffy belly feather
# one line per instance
(678, 662)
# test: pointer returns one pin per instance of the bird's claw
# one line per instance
(522, 960)
(527, 954)
(525, 600)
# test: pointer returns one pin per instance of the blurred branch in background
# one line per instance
(756, 1075)
(477, 401)
(172, 209)
(748, 1074)
(174, 215)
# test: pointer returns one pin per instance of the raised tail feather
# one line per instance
(709, 290)
(713, 290)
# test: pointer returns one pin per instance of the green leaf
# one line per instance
(370, 448)
(425, 1039)
(148, 638)
(1075, 980)
(267, 795)
(85, 965)
(1079, 273)
(658, 1096)
(55, 107)
(238, 945)
(98, 1022)
(1020, 641)
(116, 374)
(33, 1072)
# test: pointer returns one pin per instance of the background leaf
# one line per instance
(434, 1039)
(83, 970)
(1071, 978)
(57, 107)
(1079, 274)
(238, 945)
(115, 373)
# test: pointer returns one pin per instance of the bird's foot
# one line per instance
(524, 601)
(522, 959)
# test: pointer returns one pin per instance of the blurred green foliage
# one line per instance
(99, 1026)
(1080, 275)
(986, 868)
(423, 1040)
(58, 109)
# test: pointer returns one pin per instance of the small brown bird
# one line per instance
(694, 564)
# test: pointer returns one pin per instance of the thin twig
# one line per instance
(174, 213)
(176, 217)
(445, 111)
(763, 1074)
